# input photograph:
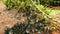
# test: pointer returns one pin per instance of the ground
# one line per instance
(55, 7)
(8, 19)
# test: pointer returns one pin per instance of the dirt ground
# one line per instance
(55, 7)
(7, 18)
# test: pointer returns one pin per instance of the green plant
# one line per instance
(50, 2)
(36, 16)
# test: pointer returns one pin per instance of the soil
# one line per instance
(55, 7)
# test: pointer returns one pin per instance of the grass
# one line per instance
(53, 12)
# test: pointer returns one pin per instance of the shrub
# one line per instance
(36, 19)
(50, 2)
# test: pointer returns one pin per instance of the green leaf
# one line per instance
(22, 4)
(4, 1)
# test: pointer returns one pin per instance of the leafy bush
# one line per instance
(16, 4)
(36, 20)
(50, 2)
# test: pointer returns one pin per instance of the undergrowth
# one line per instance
(36, 17)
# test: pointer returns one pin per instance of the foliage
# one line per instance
(16, 4)
(55, 12)
(13, 4)
(50, 2)
(36, 19)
